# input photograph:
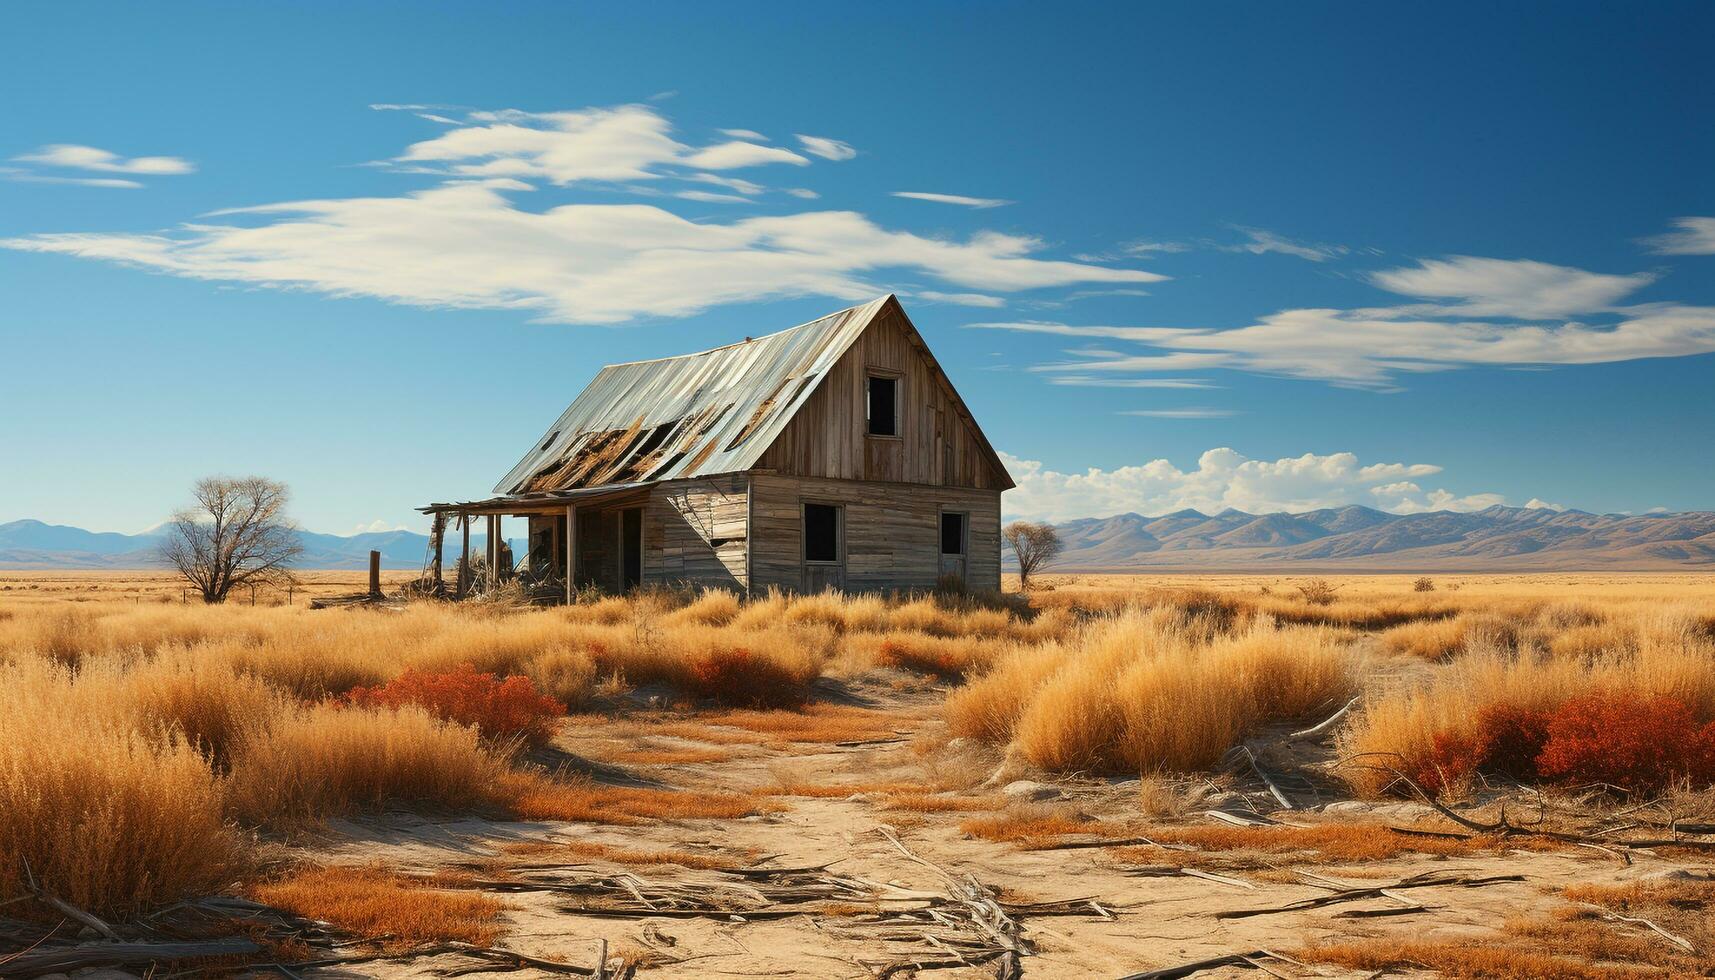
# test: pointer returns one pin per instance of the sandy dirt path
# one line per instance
(1155, 918)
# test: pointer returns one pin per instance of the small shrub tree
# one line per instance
(1318, 591)
(1424, 584)
(1035, 546)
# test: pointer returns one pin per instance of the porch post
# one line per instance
(464, 555)
(438, 529)
(571, 549)
(491, 550)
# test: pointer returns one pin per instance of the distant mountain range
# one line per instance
(1362, 539)
(35, 545)
(1336, 539)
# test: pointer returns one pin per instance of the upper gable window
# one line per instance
(881, 397)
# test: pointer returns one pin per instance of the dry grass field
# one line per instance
(1467, 775)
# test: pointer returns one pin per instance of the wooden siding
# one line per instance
(892, 532)
(694, 531)
(937, 445)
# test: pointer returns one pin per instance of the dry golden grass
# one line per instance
(622, 855)
(925, 803)
(839, 791)
(1332, 842)
(535, 797)
(666, 757)
(1398, 728)
(323, 760)
(1467, 959)
(815, 723)
(134, 729)
(1033, 827)
(1143, 691)
(105, 816)
(376, 904)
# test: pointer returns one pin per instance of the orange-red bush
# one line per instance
(1507, 740)
(1639, 743)
(735, 676)
(1624, 739)
(500, 709)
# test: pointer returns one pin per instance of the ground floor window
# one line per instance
(821, 532)
(952, 534)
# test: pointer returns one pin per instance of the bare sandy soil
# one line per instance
(905, 886)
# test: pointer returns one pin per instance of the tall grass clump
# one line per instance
(324, 760)
(106, 817)
(1492, 711)
(1155, 690)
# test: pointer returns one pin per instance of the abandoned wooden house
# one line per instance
(835, 454)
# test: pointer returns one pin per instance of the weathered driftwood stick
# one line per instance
(1354, 894)
(1273, 788)
(1679, 941)
(1074, 845)
(1323, 726)
(1189, 969)
(67, 958)
(1381, 913)
(76, 914)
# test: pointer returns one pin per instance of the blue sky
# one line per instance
(1263, 256)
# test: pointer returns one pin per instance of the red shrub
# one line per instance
(1636, 742)
(1506, 741)
(500, 709)
(735, 676)
(932, 659)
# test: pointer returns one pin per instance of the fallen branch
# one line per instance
(64, 959)
(1323, 726)
(1426, 880)
(1198, 966)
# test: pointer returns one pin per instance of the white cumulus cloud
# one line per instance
(1225, 478)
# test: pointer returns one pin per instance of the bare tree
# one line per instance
(1035, 545)
(237, 534)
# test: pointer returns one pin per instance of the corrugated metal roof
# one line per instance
(688, 416)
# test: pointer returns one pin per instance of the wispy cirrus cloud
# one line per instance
(1516, 288)
(466, 245)
(827, 149)
(1487, 312)
(1181, 413)
(1261, 241)
(1694, 236)
(29, 177)
(73, 156)
(959, 199)
(1225, 478)
(960, 299)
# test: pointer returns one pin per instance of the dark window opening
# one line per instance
(821, 532)
(883, 406)
(631, 547)
(952, 534)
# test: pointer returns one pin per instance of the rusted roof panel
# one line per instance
(688, 416)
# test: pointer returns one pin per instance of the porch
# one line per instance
(575, 539)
